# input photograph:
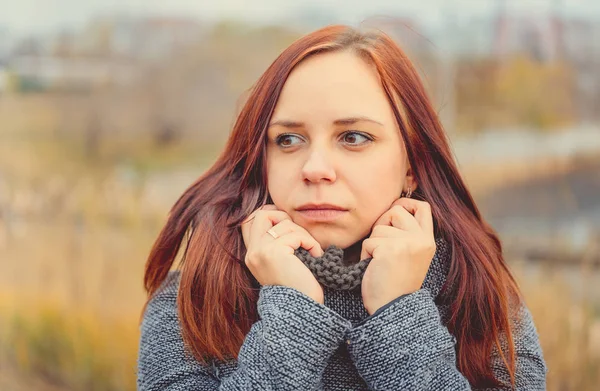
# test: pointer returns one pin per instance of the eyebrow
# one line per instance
(341, 121)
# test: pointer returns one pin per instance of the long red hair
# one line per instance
(217, 293)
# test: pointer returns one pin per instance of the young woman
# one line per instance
(334, 245)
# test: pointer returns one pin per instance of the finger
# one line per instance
(288, 226)
(263, 221)
(296, 239)
(252, 215)
(386, 231)
(369, 246)
(397, 216)
(421, 211)
(247, 223)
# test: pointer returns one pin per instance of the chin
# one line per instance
(333, 240)
(331, 235)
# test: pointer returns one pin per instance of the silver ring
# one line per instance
(272, 232)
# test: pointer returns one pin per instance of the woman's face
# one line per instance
(333, 139)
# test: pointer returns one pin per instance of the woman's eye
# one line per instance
(285, 140)
(355, 138)
(352, 138)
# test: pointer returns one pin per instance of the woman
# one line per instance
(334, 245)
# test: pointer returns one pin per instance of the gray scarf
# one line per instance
(333, 271)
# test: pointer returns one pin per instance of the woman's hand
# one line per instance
(272, 260)
(402, 245)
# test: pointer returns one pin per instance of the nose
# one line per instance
(318, 167)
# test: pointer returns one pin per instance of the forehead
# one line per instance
(333, 85)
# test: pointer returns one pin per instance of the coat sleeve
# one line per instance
(405, 346)
(287, 349)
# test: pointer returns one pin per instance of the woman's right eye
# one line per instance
(286, 140)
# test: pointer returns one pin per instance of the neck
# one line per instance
(352, 253)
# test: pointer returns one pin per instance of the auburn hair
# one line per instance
(217, 294)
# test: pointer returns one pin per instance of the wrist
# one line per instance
(371, 310)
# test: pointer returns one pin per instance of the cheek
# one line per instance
(373, 203)
(278, 178)
(378, 189)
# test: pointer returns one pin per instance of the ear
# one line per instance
(410, 181)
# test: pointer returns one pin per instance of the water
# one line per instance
(562, 209)
(551, 215)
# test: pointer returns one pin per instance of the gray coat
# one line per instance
(300, 344)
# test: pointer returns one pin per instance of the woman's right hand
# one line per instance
(272, 260)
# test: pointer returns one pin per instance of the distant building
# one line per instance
(581, 40)
(540, 36)
(5, 43)
(73, 73)
(547, 37)
(151, 38)
(106, 51)
(406, 31)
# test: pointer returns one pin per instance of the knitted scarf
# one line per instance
(333, 271)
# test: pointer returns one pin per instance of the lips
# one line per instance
(320, 207)
(321, 212)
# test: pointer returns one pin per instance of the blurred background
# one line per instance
(110, 109)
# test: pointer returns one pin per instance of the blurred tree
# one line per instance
(517, 92)
(475, 98)
(536, 94)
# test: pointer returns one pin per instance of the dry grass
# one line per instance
(568, 325)
(72, 350)
(91, 343)
(70, 305)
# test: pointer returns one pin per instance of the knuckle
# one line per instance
(285, 223)
(428, 247)
(432, 247)
(381, 230)
(250, 258)
(398, 210)
(256, 256)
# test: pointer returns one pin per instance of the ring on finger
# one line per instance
(272, 232)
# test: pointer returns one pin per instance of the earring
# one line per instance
(408, 193)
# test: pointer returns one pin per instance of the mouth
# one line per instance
(320, 207)
(321, 213)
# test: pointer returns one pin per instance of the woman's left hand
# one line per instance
(402, 245)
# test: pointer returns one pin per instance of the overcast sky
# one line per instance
(26, 16)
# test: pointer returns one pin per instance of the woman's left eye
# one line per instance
(354, 138)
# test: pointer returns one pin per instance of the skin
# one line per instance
(341, 146)
(318, 163)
